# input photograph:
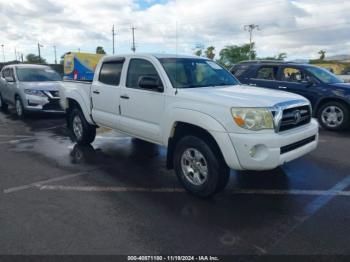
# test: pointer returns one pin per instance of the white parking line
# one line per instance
(40, 183)
(180, 190)
(16, 136)
(110, 189)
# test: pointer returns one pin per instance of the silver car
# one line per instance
(30, 88)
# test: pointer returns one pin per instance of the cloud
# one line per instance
(298, 27)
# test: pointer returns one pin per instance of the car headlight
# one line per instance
(253, 118)
(34, 92)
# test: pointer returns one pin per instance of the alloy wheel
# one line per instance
(19, 108)
(77, 127)
(194, 166)
(332, 116)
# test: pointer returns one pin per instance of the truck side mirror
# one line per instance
(150, 83)
(9, 79)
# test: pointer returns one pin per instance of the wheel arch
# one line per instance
(327, 100)
(179, 130)
(72, 103)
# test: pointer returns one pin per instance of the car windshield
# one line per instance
(192, 73)
(37, 75)
(324, 75)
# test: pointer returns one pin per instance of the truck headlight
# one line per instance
(34, 92)
(253, 118)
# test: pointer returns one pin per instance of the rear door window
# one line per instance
(267, 73)
(110, 73)
(5, 73)
(291, 74)
(137, 69)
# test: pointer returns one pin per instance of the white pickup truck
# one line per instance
(208, 121)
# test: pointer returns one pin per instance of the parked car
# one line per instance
(208, 121)
(30, 88)
(329, 95)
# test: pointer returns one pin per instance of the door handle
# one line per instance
(96, 92)
(282, 87)
(252, 84)
(124, 97)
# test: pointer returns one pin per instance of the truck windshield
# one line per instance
(324, 75)
(37, 75)
(192, 73)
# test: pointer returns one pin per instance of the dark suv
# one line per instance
(329, 96)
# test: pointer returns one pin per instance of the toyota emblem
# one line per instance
(297, 117)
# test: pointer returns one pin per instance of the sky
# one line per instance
(298, 27)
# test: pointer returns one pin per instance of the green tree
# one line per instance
(100, 50)
(280, 56)
(34, 59)
(322, 54)
(209, 53)
(233, 54)
(198, 52)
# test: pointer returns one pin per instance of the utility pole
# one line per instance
(22, 58)
(250, 28)
(16, 57)
(39, 45)
(133, 48)
(113, 35)
(54, 49)
(3, 52)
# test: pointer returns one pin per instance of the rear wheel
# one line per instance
(334, 116)
(199, 168)
(20, 112)
(3, 104)
(83, 133)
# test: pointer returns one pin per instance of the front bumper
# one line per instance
(43, 104)
(268, 151)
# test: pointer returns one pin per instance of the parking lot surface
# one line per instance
(117, 197)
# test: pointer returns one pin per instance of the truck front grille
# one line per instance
(53, 105)
(295, 117)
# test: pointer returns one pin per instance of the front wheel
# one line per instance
(199, 167)
(20, 112)
(83, 133)
(334, 116)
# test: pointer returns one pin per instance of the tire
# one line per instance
(193, 154)
(20, 111)
(82, 132)
(3, 104)
(334, 116)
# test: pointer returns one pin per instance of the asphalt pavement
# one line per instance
(117, 197)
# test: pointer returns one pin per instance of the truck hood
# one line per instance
(44, 86)
(239, 96)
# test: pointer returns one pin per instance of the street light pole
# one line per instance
(250, 28)
(54, 49)
(113, 35)
(39, 45)
(133, 48)
(3, 52)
